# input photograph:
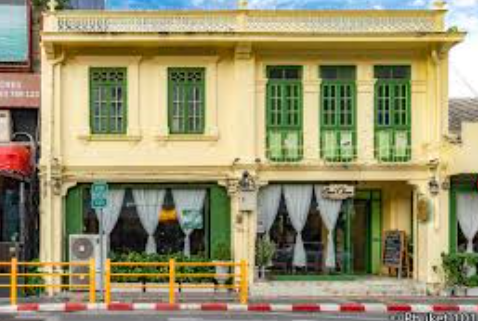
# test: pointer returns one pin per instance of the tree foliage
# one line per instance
(42, 5)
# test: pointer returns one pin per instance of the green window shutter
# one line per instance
(393, 114)
(108, 100)
(74, 214)
(284, 112)
(338, 113)
(186, 100)
(220, 220)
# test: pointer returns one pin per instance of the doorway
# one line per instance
(360, 222)
(365, 225)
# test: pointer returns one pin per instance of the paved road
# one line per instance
(211, 316)
(194, 316)
(191, 316)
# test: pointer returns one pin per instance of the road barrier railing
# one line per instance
(48, 275)
(173, 279)
(170, 276)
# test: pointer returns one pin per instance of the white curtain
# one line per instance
(149, 203)
(298, 198)
(467, 214)
(329, 211)
(269, 201)
(188, 200)
(111, 213)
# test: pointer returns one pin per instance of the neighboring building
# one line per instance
(172, 109)
(19, 104)
(463, 169)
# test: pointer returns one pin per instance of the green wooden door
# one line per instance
(284, 112)
(338, 113)
(375, 232)
(73, 215)
(220, 220)
(374, 229)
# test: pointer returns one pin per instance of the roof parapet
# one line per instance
(246, 21)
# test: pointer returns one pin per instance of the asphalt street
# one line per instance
(202, 316)
(193, 316)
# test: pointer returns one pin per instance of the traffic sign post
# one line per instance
(99, 200)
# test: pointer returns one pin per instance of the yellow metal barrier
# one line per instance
(173, 277)
(55, 272)
(240, 283)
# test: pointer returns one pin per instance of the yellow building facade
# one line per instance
(187, 103)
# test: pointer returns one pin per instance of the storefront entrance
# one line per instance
(365, 233)
(356, 237)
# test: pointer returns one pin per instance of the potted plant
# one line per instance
(221, 253)
(265, 251)
(460, 273)
(471, 267)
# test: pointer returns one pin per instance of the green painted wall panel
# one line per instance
(74, 214)
(220, 224)
(376, 232)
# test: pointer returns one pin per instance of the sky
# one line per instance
(462, 13)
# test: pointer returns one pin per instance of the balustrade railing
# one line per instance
(253, 21)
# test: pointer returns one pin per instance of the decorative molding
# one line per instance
(110, 138)
(243, 51)
(246, 22)
(187, 138)
(56, 176)
(67, 186)
(231, 185)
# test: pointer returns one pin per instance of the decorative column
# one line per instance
(431, 237)
(51, 201)
(244, 102)
(365, 113)
(244, 225)
(311, 113)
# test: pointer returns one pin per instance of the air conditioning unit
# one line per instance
(5, 126)
(84, 247)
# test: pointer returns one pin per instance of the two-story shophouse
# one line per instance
(173, 108)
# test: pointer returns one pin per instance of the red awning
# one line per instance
(15, 161)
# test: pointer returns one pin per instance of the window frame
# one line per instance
(460, 184)
(171, 85)
(339, 155)
(95, 85)
(393, 127)
(282, 127)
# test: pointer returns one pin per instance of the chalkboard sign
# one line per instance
(393, 249)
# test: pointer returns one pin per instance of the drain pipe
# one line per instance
(51, 137)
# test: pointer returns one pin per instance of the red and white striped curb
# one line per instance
(252, 307)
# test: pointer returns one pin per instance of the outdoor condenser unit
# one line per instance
(84, 247)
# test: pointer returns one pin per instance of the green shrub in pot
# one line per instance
(265, 251)
(221, 253)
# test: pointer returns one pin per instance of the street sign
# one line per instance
(192, 219)
(99, 200)
(99, 195)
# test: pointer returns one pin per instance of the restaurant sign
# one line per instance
(19, 90)
(338, 191)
